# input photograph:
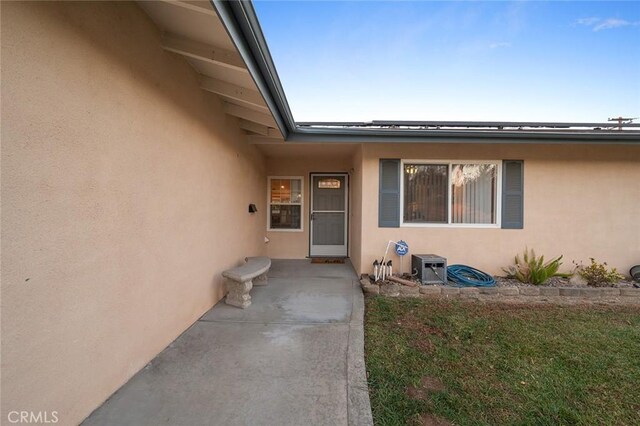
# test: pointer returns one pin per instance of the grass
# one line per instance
(432, 361)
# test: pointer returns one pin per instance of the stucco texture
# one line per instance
(581, 201)
(307, 159)
(124, 196)
(357, 199)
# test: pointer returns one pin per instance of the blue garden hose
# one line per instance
(466, 276)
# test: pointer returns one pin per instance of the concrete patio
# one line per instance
(295, 356)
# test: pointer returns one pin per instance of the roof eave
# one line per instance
(462, 136)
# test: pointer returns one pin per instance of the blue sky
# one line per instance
(427, 60)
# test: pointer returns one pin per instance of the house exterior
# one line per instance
(134, 139)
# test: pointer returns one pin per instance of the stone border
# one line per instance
(510, 294)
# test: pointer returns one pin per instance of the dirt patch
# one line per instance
(411, 322)
(432, 384)
(431, 420)
(427, 385)
(390, 289)
(424, 345)
(422, 332)
(417, 393)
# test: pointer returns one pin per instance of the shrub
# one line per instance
(598, 275)
(532, 269)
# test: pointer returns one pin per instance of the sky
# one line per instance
(456, 60)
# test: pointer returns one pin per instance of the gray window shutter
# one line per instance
(389, 196)
(512, 194)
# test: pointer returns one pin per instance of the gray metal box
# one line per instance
(430, 268)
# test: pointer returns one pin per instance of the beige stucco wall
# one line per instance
(124, 196)
(355, 229)
(307, 159)
(581, 201)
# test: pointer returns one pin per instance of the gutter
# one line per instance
(464, 136)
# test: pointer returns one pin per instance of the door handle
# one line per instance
(313, 216)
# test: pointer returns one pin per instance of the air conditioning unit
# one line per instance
(430, 268)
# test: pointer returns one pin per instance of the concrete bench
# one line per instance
(241, 280)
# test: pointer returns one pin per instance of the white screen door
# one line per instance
(329, 201)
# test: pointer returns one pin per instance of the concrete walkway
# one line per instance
(294, 357)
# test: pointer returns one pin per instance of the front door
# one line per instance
(329, 201)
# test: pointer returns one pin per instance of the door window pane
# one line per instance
(329, 183)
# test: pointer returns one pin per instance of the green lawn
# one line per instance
(432, 361)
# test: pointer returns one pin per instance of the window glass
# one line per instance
(285, 203)
(425, 193)
(296, 190)
(280, 191)
(450, 193)
(285, 216)
(473, 193)
(329, 183)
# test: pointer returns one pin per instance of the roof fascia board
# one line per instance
(460, 136)
(240, 20)
(530, 124)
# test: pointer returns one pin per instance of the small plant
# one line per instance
(598, 275)
(533, 270)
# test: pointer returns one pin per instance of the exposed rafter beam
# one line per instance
(250, 126)
(232, 91)
(196, 6)
(263, 140)
(253, 107)
(203, 52)
(260, 129)
(249, 115)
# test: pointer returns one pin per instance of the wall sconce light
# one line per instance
(252, 208)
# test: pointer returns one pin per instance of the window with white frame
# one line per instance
(451, 193)
(285, 204)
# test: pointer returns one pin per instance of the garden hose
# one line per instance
(466, 276)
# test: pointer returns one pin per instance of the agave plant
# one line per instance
(532, 269)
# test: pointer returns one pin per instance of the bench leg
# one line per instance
(238, 294)
(261, 280)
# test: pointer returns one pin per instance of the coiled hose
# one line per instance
(466, 276)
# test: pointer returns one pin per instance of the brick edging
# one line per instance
(397, 290)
